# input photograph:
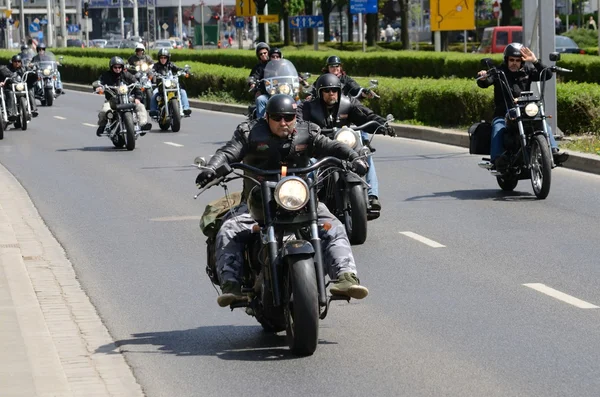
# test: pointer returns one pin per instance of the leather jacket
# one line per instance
(164, 69)
(347, 111)
(518, 81)
(135, 59)
(255, 144)
(111, 78)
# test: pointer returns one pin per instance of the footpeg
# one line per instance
(238, 304)
(485, 165)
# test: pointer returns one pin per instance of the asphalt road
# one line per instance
(455, 320)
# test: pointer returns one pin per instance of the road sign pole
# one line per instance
(360, 31)
(202, 26)
(63, 23)
(316, 30)
(87, 32)
(437, 36)
(22, 24)
(49, 30)
(266, 12)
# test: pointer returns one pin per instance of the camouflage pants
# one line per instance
(237, 228)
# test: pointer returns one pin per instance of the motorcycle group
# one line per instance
(309, 180)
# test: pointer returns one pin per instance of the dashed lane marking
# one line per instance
(424, 240)
(561, 296)
(173, 144)
(60, 117)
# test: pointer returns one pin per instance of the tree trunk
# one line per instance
(287, 39)
(372, 29)
(507, 13)
(350, 25)
(260, 7)
(326, 6)
(405, 22)
(310, 36)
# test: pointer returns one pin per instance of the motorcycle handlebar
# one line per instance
(305, 170)
(355, 128)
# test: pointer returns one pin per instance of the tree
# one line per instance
(405, 21)
(326, 8)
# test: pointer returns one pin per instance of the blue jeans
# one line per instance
(58, 81)
(182, 94)
(498, 130)
(261, 106)
(371, 176)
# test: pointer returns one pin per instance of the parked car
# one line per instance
(128, 44)
(566, 44)
(495, 38)
(75, 43)
(99, 43)
(177, 42)
(162, 44)
(113, 44)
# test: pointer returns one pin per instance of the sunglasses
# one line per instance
(163, 57)
(275, 57)
(334, 66)
(514, 60)
(117, 67)
(329, 90)
(286, 117)
(263, 53)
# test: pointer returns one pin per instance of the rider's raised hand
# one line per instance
(205, 177)
(528, 55)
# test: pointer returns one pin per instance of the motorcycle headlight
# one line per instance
(167, 83)
(531, 109)
(123, 89)
(137, 68)
(47, 72)
(20, 87)
(284, 89)
(346, 136)
(144, 67)
(291, 193)
(158, 98)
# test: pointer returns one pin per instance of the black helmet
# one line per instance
(163, 52)
(281, 104)
(334, 60)
(327, 80)
(116, 61)
(513, 50)
(24, 47)
(261, 46)
(16, 58)
(41, 46)
(274, 51)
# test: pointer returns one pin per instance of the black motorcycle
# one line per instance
(122, 127)
(283, 272)
(526, 141)
(45, 88)
(346, 193)
(20, 98)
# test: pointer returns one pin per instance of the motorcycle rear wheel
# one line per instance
(130, 131)
(541, 167)
(175, 115)
(23, 111)
(303, 309)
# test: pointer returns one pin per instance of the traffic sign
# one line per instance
(496, 10)
(44, 22)
(34, 27)
(239, 23)
(73, 28)
(363, 6)
(245, 8)
(271, 18)
(452, 15)
(306, 22)
(165, 26)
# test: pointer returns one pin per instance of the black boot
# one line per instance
(559, 157)
(375, 204)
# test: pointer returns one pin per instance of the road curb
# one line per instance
(577, 161)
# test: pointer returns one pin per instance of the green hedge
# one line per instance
(446, 102)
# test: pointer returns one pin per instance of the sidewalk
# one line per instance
(49, 330)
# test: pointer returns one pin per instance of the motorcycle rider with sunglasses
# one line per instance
(268, 143)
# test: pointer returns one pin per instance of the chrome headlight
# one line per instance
(123, 89)
(144, 67)
(531, 109)
(291, 193)
(284, 89)
(167, 83)
(20, 86)
(347, 136)
(47, 72)
(137, 68)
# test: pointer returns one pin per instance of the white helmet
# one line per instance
(140, 46)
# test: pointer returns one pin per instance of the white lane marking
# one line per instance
(544, 289)
(60, 117)
(424, 240)
(90, 125)
(176, 218)
(173, 144)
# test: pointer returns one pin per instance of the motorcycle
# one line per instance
(372, 85)
(283, 273)
(122, 128)
(528, 154)
(346, 193)
(142, 73)
(170, 109)
(45, 88)
(3, 115)
(280, 77)
(20, 93)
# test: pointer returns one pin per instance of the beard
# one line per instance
(331, 102)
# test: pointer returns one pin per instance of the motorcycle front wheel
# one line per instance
(147, 98)
(303, 307)
(355, 215)
(23, 111)
(48, 96)
(130, 131)
(175, 115)
(163, 122)
(507, 183)
(541, 166)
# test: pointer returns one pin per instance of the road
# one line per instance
(452, 318)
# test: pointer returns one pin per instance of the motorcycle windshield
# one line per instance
(280, 68)
(44, 65)
(281, 77)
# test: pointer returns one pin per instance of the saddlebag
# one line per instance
(480, 138)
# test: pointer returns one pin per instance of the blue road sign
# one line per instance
(34, 27)
(306, 22)
(44, 22)
(239, 23)
(363, 6)
(73, 28)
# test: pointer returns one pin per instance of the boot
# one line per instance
(231, 292)
(375, 204)
(349, 285)
(187, 112)
(559, 157)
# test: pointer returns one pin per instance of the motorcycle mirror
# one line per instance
(187, 66)
(60, 58)
(306, 75)
(487, 62)
(375, 82)
(200, 161)
(96, 84)
(554, 56)
(390, 117)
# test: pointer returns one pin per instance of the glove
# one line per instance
(390, 131)
(205, 177)
(360, 166)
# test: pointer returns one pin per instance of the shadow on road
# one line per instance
(411, 157)
(227, 342)
(476, 194)
(93, 149)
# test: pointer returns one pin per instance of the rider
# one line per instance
(330, 109)
(162, 67)
(140, 56)
(16, 66)
(521, 67)
(113, 77)
(349, 86)
(292, 143)
(275, 53)
(42, 55)
(26, 52)
(256, 74)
